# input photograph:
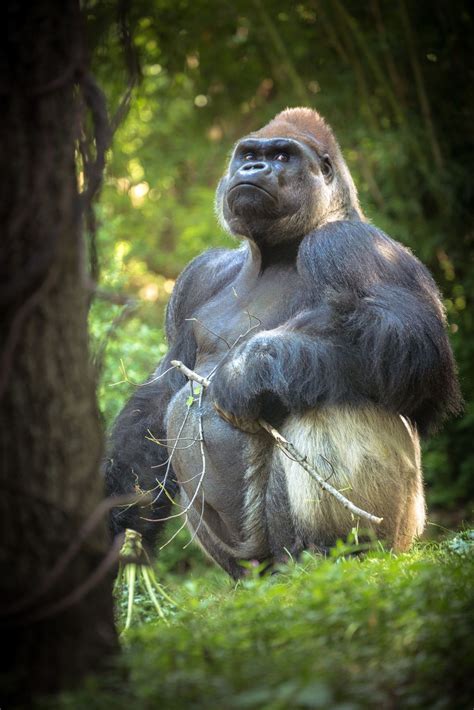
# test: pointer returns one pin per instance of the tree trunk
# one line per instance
(54, 630)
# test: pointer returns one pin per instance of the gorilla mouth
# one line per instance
(254, 186)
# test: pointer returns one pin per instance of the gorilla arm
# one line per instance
(137, 463)
(372, 331)
(134, 461)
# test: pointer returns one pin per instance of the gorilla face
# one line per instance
(275, 189)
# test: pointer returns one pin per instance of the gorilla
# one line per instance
(320, 324)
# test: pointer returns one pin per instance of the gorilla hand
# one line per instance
(250, 426)
(243, 388)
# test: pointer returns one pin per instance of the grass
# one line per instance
(342, 633)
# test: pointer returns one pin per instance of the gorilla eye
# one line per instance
(326, 168)
(249, 156)
(282, 157)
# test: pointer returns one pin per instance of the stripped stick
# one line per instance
(290, 450)
(190, 374)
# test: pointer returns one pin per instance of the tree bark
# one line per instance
(58, 626)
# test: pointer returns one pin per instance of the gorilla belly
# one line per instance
(211, 473)
(245, 499)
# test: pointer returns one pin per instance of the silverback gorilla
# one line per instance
(319, 323)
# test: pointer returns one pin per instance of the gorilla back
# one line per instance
(319, 323)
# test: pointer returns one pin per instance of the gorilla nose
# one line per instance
(251, 168)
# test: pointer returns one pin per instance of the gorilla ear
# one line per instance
(326, 168)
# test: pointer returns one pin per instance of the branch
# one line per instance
(290, 450)
(190, 374)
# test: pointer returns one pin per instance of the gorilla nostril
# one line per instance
(254, 166)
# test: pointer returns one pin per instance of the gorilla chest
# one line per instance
(244, 308)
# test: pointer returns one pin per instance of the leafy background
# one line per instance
(395, 81)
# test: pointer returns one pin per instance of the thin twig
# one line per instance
(190, 374)
(203, 459)
(216, 335)
(170, 458)
(201, 474)
(290, 449)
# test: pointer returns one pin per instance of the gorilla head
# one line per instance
(285, 180)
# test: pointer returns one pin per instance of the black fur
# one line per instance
(344, 315)
(371, 329)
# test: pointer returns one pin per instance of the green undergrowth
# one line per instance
(342, 633)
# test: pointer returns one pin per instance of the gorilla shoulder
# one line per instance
(202, 278)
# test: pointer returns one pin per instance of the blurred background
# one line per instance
(394, 79)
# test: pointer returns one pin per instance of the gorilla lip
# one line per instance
(252, 184)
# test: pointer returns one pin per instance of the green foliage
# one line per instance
(126, 342)
(129, 355)
(214, 71)
(341, 633)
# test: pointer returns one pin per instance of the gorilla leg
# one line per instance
(373, 456)
(284, 540)
(208, 544)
